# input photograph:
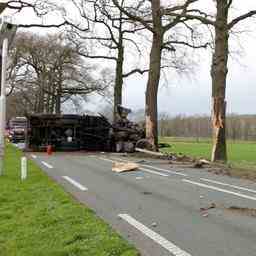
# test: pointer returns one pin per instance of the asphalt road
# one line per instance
(159, 208)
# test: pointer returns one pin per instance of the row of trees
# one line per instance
(45, 72)
(168, 29)
(239, 127)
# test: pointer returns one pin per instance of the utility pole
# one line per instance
(7, 33)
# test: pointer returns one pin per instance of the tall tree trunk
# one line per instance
(154, 77)
(219, 72)
(118, 88)
(152, 91)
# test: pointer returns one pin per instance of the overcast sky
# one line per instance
(192, 95)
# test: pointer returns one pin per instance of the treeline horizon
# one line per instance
(238, 127)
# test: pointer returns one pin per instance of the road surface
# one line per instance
(157, 208)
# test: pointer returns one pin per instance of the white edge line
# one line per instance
(47, 165)
(154, 172)
(75, 183)
(169, 246)
(33, 156)
(229, 185)
(219, 189)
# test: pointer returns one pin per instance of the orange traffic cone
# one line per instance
(49, 150)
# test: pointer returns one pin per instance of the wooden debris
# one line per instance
(211, 206)
(124, 167)
(149, 152)
(200, 163)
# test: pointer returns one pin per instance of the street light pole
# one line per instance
(3, 104)
(7, 33)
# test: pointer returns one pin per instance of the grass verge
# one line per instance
(37, 217)
(241, 154)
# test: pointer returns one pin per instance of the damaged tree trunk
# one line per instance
(219, 73)
(153, 79)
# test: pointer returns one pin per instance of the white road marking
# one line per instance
(229, 185)
(155, 168)
(47, 165)
(75, 183)
(169, 246)
(142, 169)
(33, 156)
(139, 178)
(164, 170)
(154, 172)
(219, 189)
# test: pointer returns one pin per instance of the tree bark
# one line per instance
(219, 73)
(118, 87)
(154, 77)
(58, 102)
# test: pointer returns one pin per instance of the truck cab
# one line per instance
(17, 129)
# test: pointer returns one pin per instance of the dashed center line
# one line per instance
(219, 189)
(47, 165)
(169, 246)
(228, 185)
(75, 183)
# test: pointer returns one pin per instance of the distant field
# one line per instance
(240, 154)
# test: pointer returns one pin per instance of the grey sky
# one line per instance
(193, 95)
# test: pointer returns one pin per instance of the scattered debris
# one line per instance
(211, 206)
(200, 163)
(205, 214)
(149, 152)
(126, 134)
(147, 193)
(245, 211)
(124, 167)
(154, 224)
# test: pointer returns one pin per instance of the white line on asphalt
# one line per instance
(164, 170)
(75, 183)
(33, 156)
(155, 168)
(47, 165)
(219, 189)
(229, 185)
(153, 172)
(142, 169)
(169, 246)
(139, 178)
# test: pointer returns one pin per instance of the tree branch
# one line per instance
(241, 18)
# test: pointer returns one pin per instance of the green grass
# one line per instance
(38, 218)
(240, 154)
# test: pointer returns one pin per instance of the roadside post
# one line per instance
(7, 33)
(24, 168)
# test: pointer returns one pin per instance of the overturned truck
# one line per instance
(82, 132)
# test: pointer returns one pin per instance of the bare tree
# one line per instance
(110, 34)
(223, 27)
(47, 72)
(156, 19)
